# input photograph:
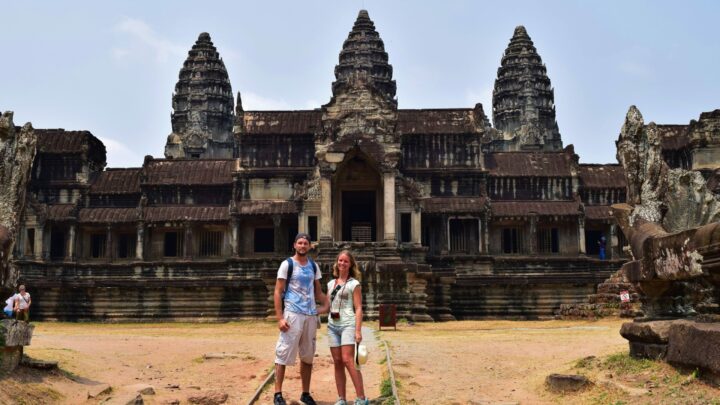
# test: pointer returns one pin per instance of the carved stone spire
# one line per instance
(523, 99)
(363, 60)
(202, 120)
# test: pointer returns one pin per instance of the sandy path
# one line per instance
(492, 361)
(322, 386)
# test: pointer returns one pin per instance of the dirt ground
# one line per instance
(471, 362)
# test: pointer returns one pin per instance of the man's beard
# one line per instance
(297, 252)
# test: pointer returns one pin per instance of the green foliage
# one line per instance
(623, 363)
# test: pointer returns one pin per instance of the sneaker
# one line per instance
(365, 401)
(279, 400)
(341, 401)
(306, 399)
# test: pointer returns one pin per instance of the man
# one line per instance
(298, 324)
(22, 304)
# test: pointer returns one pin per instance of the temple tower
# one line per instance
(523, 99)
(202, 117)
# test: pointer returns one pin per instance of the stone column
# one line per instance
(325, 209)
(139, 241)
(39, 240)
(302, 221)
(71, 244)
(533, 234)
(614, 250)
(416, 226)
(486, 234)
(187, 244)
(234, 236)
(47, 235)
(581, 235)
(389, 206)
(277, 239)
(444, 234)
(109, 244)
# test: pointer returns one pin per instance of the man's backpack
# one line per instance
(291, 264)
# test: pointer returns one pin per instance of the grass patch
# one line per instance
(623, 363)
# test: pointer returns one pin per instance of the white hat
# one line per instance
(361, 354)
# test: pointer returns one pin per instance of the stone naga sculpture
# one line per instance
(17, 152)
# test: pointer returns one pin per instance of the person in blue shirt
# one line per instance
(298, 322)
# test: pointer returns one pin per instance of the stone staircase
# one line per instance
(606, 301)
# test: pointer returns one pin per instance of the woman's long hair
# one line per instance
(354, 269)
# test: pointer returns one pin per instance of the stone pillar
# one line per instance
(277, 239)
(581, 235)
(302, 221)
(47, 234)
(416, 226)
(39, 241)
(325, 209)
(533, 234)
(486, 234)
(614, 251)
(71, 244)
(444, 234)
(234, 237)
(109, 244)
(389, 206)
(187, 243)
(140, 241)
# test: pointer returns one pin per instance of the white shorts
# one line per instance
(300, 338)
(341, 335)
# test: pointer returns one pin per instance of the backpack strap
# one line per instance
(290, 264)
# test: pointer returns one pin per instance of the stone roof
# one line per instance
(597, 212)
(266, 207)
(107, 215)
(186, 213)
(673, 137)
(602, 176)
(281, 122)
(117, 181)
(60, 212)
(188, 172)
(454, 204)
(542, 208)
(58, 141)
(532, 164)
(437, 121)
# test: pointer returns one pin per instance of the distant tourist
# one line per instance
(345, 324)
(22, 304)
(602, 243)
(9, 305)
(296, 289)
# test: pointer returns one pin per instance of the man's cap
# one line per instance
(303, 235)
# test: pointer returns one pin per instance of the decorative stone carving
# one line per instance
(17, 152)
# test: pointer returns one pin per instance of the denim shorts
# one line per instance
(341, 335)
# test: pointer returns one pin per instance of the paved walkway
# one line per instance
(322, 386)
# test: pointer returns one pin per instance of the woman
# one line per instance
(344, 301)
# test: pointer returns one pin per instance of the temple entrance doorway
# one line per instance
(359, 217)
(357, 200)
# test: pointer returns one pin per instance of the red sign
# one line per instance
(625, 296)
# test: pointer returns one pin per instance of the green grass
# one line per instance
(623, 363)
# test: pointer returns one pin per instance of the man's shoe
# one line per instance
(279, 400)
(359, 401)
(306, 399)
(341, 401)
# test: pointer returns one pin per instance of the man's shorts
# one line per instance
(299, 339)
(341, 335)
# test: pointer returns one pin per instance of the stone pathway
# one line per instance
(322, 386)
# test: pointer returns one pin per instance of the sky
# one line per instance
(110, 67)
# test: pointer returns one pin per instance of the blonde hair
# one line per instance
(354, 268)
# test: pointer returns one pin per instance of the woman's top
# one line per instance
(342, 303)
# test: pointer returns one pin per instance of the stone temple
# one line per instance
(450, 216)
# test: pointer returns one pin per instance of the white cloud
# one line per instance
(145, 39)
(120, 155)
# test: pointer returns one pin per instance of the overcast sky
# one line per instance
(111, 67)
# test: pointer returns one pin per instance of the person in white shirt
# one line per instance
(22, 304)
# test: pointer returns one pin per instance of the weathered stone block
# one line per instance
(695, 344)
(641, 350)
(566, 382)
(646, 332)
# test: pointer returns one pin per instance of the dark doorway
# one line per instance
(57, 244)
(592, 241)
(358, 216)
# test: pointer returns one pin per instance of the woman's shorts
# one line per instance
(8, 313)
(341, 335)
